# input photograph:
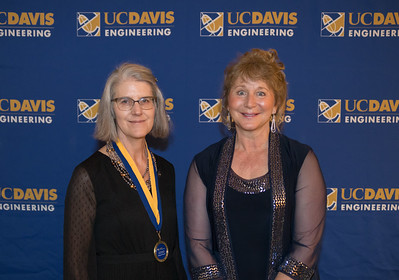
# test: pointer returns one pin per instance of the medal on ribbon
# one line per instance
(161, 250)
(151, 201)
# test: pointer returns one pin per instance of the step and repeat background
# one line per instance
(341, 62)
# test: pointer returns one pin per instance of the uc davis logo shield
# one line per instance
(87, 110)
(332, 24)
(332, 199)
(329, 111)
(88, 24)
(211, 24)
(209, 110)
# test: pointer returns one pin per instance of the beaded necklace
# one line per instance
(118, 164)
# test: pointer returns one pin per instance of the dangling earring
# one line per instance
(273, 125)
(228, 121)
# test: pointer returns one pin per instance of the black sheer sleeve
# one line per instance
(80, 210)
(202, 262)
(310, 214)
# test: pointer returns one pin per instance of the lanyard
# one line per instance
(151, 201)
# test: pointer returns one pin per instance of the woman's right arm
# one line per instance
(202, 262)
(80, 211)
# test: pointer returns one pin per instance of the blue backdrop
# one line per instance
(341, 64)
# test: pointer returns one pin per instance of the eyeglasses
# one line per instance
(127, 103)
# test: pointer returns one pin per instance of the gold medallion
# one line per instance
(161, 251)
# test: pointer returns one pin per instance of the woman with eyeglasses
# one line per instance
(120, 211)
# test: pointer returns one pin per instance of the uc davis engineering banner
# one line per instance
(340, 63)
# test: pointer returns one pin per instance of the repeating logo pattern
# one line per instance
(358, 111)
(28, 199)
(87, 110)
(27, 111)
(358, 199)
(329, 111)
(211, 24)
(355, 24)
(332, 199)
(26, 24)
(332, 24)
(88, 24)
(209, 110)
(248, 23)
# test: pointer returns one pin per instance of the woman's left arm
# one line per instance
(310, 213)
(80, 212)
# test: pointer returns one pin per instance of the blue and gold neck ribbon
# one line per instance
(151, 200)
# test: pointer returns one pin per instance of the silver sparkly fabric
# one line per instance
(222, 235)
(206, 272)
(279, 203)
(252, 186)
(296, 269)
(276, 184)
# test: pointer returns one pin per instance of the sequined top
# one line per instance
(224, 215)
(252, 214)
(251, 186)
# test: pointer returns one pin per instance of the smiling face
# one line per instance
(251, 104)
(135, 123)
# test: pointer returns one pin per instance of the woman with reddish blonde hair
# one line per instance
(255, 201)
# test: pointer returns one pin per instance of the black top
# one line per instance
(249, 217)
(252, 213)
(107, 231)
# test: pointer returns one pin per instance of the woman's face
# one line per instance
(135, 123)
(251, 104)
